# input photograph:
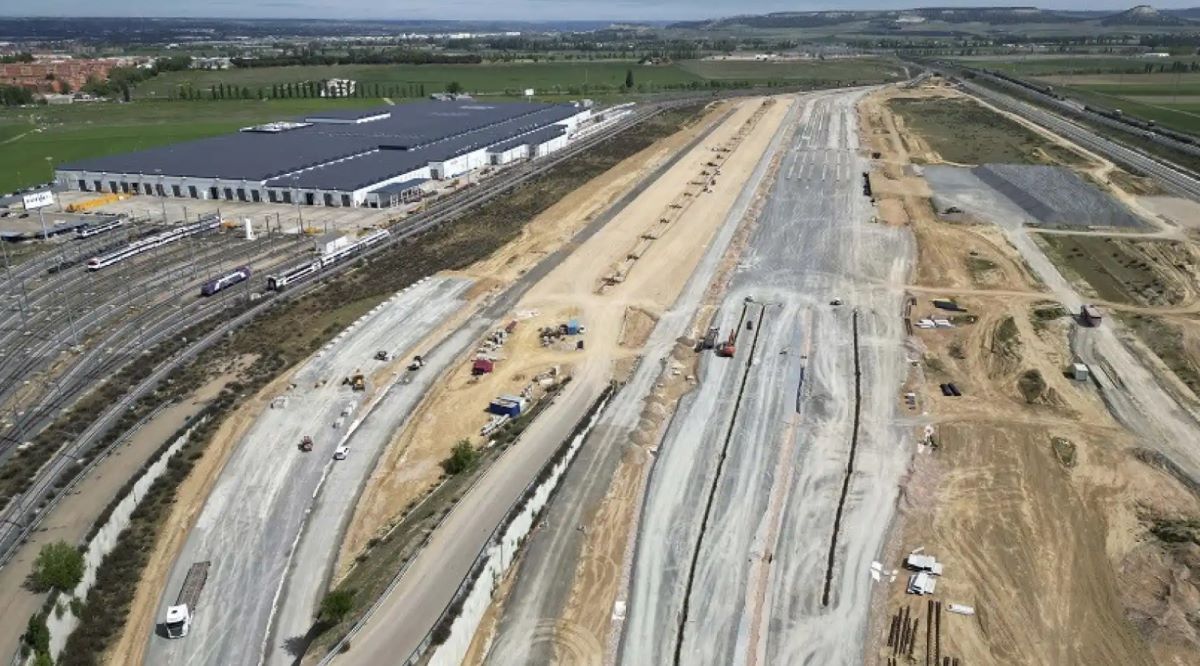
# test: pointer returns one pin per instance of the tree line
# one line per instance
(298, 90)
(357, 57)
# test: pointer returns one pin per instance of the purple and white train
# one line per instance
(240, 274)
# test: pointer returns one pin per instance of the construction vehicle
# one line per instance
(180, 615)
(728, 348)
(306, 444)
(356, 381)
(382, 355)
(710, 338)
(417, 363)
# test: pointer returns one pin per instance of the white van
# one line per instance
(341, 453)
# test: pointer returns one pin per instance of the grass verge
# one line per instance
(965, 132)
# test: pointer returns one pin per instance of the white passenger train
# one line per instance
(149, 243)
(304, 271)
(97, 229)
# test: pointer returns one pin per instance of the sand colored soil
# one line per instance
(454, 409)
(605, 562)
(1033, 497)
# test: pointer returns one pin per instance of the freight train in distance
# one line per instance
(151, 242)
(240, 274)
(304, 271)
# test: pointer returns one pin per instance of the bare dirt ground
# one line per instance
(75, 515)
(652, 285)
(410, 468)
(1034, 498)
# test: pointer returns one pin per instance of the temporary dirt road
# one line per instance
(736, 533)
(253, 519)
(533, 628)
(571, 288)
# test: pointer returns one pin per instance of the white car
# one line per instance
(341, 453)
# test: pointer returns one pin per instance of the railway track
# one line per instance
(20, 516)
(154, 321)
(1171, 176)
(56, 327)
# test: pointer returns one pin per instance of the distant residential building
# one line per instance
(1156, 54)
(338, 87)
(211, 63)
(51, 75)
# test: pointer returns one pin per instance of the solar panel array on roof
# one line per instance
(415, 133)
(388, 162)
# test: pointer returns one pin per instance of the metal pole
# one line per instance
(42, 219)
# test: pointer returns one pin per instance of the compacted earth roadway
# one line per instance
(776, 480)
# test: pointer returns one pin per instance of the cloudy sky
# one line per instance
(505, 9)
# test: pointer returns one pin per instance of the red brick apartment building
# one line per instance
(36, 75)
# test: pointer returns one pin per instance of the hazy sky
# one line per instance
(503, 9)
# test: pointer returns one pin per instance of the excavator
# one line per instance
(306, 444)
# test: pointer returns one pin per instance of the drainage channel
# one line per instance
(837, 516)
(712, 491)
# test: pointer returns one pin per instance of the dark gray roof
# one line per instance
(424, 131)
(388, 162)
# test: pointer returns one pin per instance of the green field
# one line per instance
(78, 131)
(849, 70)
(1017, 65)
(545, 77)
(1170, 99)
(963, 132)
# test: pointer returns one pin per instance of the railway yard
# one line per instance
(791, 378)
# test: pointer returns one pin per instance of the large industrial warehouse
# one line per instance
(370, 157)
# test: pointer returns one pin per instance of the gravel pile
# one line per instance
(1056, 196)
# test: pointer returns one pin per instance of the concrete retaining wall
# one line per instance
(102, 544)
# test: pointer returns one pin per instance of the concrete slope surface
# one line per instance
(254, 516)
(736, 529)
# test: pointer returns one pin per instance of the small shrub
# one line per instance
(462, 458)
(59, 566)
(336, 606)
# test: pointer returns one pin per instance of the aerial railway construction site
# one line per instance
(869, 375)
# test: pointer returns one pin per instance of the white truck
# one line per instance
(180, 615)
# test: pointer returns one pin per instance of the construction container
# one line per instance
(573, 327)
(502, 407)
(1080, 372)
(482, 366)
(1089, 315)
